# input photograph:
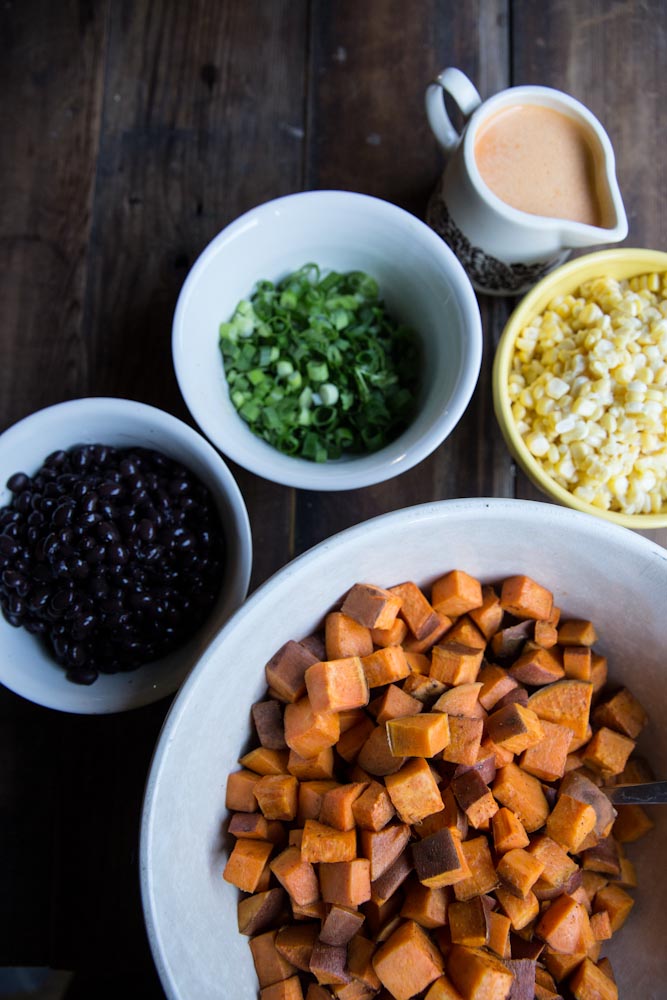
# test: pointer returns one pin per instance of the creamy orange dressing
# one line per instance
(538, 160)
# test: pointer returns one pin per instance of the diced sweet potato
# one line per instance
(588, 982)
(558, 865)
(413, 645)
(607, 752)
(263, 761)
(453, 663)
(478, 975)
(496, 683)
(565, 927)
(394, 703)
(428, 907)
(384, 887)
(267, 717)
(546, 760)
(452, 816)
(340, 925)
(508, 642)
(311, 796)
(319, 767)
(566, 702)
(523, 794)
(601, 926)
(418, 735)
(521, 911)
(270, 965)
(488, 616)
(546, 634)
(570, 822)
(350, 743)
(375, 755)
(515, 728)
(577, 662)
(415, 609)
(346, 883)
(508, 831)
(324, 843)
(286, 668)
(631, 823)
(467, 922)
(254, 826)
(576, 632)
(461, 700)
(537, 666)
(277, 795)
(240, 795)
(371, 606)
(295, 943)
(419, 663)
(408, 962)
(466, 632)
(256, 913)
(382, 919)
(344, 637)
(385, 666)
(519, 871)
(393, 636)
(360, 953)
(617, 903)
(383, 847)
(578, 786)
(474, 797)
(443, 989)
(483, 877)
(602, 857)
(465, 739)
(297, 876)
(286, 989)
(373, 809)
(327, 964)
(499, 934)
(338, 804)
(337, 685)
(439, 859)
(524, 598)
(307, 731)
(424, 689)
(413, 790)
(456, 592)
(623, 713)
(246, 863)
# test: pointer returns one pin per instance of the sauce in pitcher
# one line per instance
(540, 161)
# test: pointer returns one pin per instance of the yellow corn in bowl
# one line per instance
(600, 491)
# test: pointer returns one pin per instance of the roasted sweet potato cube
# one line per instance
(623, 713)
(499, 934)
(408, 961)
(567, 702)
(496, 683)
(317, 768)
(240, 795)
(246, 863)
(466, 632)
(340, 925)
(537, 666)
(524, 598)
(286, 989)
(337, 685)
(413, 645)
(478, 975)
(588, 982)
(394, 636)
(428, 907)
(453, 663)
(602, 857)
(277, 795)
(523, 794)
(385, 666)
(452, 815)
(461, 700)
(599, 672)
(631, 823)
(576, 632)
(419, 663)
(338, 803)
(508, 642)
(601, 926)
(415, 609)
(346, 883)
(360, 953)
(418, 735)
(577, 662)
(424, 689)
(520, 911)
(267, 717)
(607, 752)
(456, 592)
(519, 871)
(384, 887)
(270, 965)
(384, 846)
(439, 859)
(508, 831)
(546, 634)
(467, 922)
(344, 637)
(558, 865)
(353, 739)
(565, 926)
(371, 606)
(578, 786)
(324, 843)
(515, 728)
(327, 964)
(443, 989)
(297, 876)
(373, 809)
(475, 798)
(256, 913)
(482, 877)
(617, 903)
(286, 668)
(263, 761)
(394, 703)
(465, 739)
(295, 942)
(488, 616)
(375, 755)
(546, 760)
(307, 731)
(311, 796)
(570, 822)
(414, 791)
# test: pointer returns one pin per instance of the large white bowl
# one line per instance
(596, 570)
(419, 277)
(25, 665)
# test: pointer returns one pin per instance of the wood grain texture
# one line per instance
(610, 56)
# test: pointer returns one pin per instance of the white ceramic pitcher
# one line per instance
(503, 249)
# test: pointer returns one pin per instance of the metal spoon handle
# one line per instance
(648, 794)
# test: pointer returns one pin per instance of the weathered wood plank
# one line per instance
(611, 56)
(381, 56)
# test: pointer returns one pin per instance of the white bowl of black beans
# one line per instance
(124, 547)
(353, 354)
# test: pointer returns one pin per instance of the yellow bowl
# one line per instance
(620, 263)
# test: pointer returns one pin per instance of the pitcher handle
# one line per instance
(455, 83)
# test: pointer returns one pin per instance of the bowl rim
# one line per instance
(359, 471)
(638, 261)
(125, 697)
(516, 509)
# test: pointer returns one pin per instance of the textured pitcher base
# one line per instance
(488, 275)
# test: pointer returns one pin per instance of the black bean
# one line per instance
(18, 482)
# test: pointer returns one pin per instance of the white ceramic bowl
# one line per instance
(25, 665)
(596, 570)
(420, 279)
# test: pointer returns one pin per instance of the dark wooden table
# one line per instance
(132, 132)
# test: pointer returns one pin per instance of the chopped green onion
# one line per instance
(303, 384)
